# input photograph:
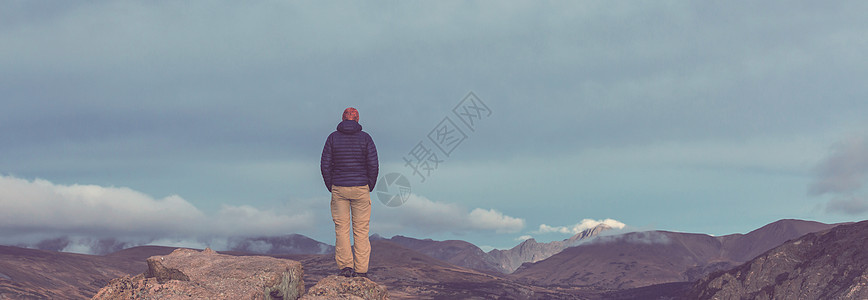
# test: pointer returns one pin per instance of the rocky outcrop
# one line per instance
(339, 287)
(830, 264)
(191, 274)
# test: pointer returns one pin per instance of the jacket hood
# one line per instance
(349, 126)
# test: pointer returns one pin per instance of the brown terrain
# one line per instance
(41, 274)
(630, 266)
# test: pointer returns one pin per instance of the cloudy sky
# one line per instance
(195, 120)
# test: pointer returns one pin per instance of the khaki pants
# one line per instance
(352, 204)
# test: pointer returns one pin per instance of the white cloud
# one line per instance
(581, 226)
(37, 210)
(39, 205)
(426, 216)
(523, 238)
(253, 221)
(494, 220)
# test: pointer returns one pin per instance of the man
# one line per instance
(349, 168)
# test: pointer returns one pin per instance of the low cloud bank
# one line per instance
(425, 216)
(96, 219)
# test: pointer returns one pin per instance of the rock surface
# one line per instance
(339, 287)
(191, 274)
(830, 264)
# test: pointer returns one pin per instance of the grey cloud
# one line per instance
(841, 175)
(201, 77)
(844, 170)
(850, 205)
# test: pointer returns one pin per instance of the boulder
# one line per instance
(339, 287)
(191, 274)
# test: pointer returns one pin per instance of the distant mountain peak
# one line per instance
(528, 241)
(589, 233)
(530, 250)
(748, 246)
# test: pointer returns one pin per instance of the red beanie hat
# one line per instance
(351, 114)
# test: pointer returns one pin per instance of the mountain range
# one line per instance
(497, 261)
(830, 264)
(530, 251)
(639, 259)
(637, 265)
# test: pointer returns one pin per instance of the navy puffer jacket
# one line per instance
(349, 157)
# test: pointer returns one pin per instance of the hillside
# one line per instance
(40, 274)
(646, 258)
(831, 264)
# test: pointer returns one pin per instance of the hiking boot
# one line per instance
(347, 272)
(364, 275)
